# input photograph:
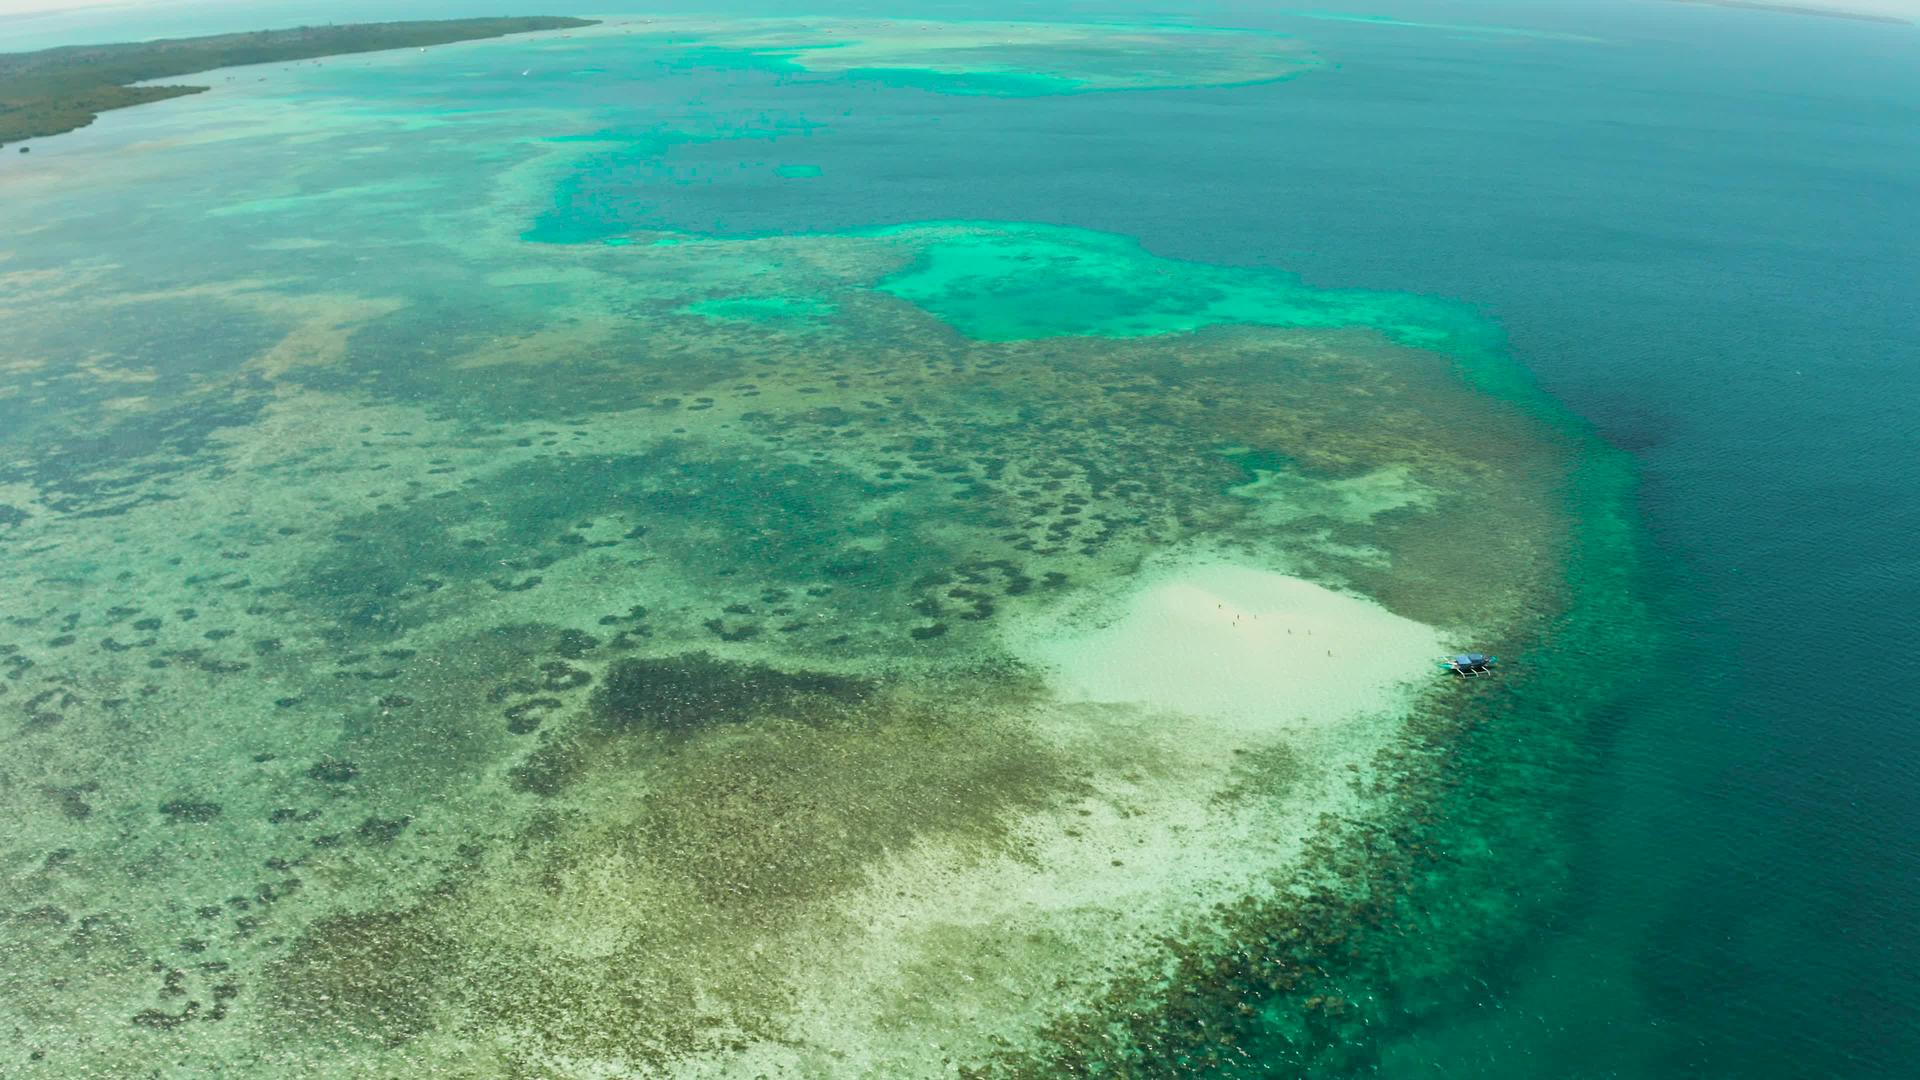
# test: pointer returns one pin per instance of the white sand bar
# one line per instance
(1241, 645)
(1218, 707)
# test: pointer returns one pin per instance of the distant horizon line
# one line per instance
(1807, 7)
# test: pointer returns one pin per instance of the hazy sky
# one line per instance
(20, 7)
(29, 7)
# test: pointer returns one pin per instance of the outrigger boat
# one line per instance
(1469, 665)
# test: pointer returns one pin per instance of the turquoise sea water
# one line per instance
(1673, 841)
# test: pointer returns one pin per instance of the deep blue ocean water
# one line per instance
(1703, 236)
(1702, 233)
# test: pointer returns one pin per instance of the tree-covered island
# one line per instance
(56, 90)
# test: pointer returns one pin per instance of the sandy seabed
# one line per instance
(1210, 679)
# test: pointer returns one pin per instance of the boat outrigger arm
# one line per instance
(1469, 665)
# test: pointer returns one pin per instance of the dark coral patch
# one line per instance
(512, 688)
(694, 690)
(333, 771)
(575, 644)
(378, 830)
(525, 718)
(72, 800)
(743, 632)
(561, 676)
(190, 811)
